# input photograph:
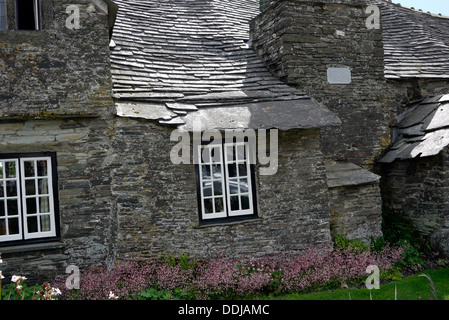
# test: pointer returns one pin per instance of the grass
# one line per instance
(414, 287)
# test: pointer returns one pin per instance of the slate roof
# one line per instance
(423, 130)
(416, 43)
(173, 58)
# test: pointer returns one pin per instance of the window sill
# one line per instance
(226, 223)
(33, 247)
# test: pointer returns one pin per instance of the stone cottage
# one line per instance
(136, 128)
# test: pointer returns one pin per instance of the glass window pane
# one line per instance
(2, 227)
(11, 188)
(42, 185)
(45, 223)
(243, 185)
(2, 208)
(218, 190)
(205, 155)
(2, 191)
(241, 155)
(13, 209)
(235, 203)
(29, 169)
(1, 169)
(245, 202)
(207, 189)
(216, 154)
(30, 187)
(2, 15)
(13, 225)
(230, 153)
(219, 205)
(216, 169)
(32, 224)
(10, 169)
(31, 205)
(233, 186)
(232, 170)
(44, 205)
(208, 208)
(206, 172)
(42, 168)
(242, 170)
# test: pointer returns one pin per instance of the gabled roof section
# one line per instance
(423, 130)
(172, 58)
(416, 43)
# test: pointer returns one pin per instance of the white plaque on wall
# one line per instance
(339, 75)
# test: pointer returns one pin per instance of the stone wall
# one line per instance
(157, 209)
(301, 40)
(417, 191)
(55, 96)
(56, 71)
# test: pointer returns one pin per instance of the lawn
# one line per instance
(411, 288)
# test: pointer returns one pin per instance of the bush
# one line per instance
(227, 278)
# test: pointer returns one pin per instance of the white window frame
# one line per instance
(49, 195)
(22, 197)
(229, 160)
(224, 160)
(4, 197)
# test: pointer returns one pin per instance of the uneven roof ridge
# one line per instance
(195, 53)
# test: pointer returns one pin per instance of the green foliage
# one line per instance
(356, 246)
(154, 293)
(26, 293)
(184, 261)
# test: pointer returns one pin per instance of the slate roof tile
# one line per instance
(194, 53)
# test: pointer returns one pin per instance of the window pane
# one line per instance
(241, 155)
(216, 154)
(10, 169)
(44, 205)
(233, 186)
(32, 224)
(29, 169)
(207, 189)
(11, 188)
(235, 203)
(230, 153)
(2, 227)
(218, 190)
(13, 225)
(245, 202)
(205, 155)
(31, 205)
(42, 168)
(232, 170)
(1, 169)
(218, 204)
(2, 191)
(208, 206)
(45, 223)
(13, 209)
(30, 187)
(42, 185)
(243, 185)
(242, 170)
(206, 172)
(216, 169)
(2, 208)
